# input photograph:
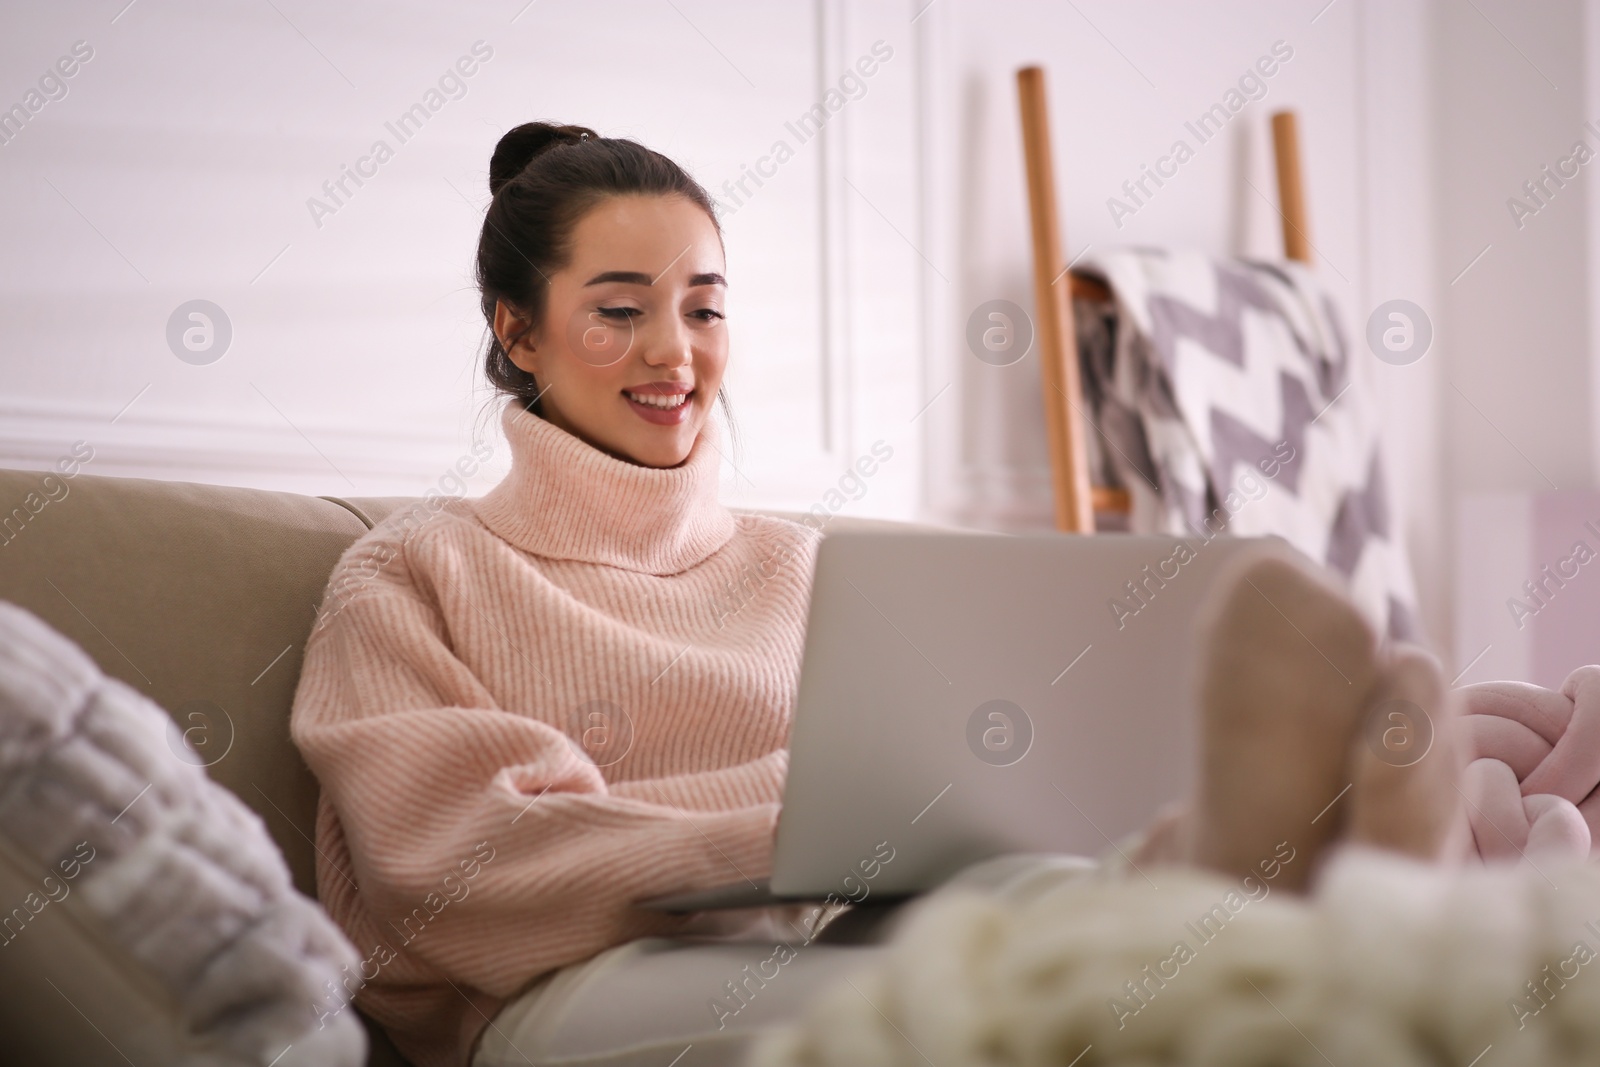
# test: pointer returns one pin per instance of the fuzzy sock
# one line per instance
(1406, 764)
(1289, 668)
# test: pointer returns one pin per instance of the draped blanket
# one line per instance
(1224, 396)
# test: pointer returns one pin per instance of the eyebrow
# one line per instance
(633, 277)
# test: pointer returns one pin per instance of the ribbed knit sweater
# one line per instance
(528, 711)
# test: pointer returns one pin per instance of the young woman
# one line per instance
(530, 712)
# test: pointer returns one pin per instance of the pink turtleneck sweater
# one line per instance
(535, 708)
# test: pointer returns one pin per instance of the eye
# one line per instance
(707, 314)
(617, 313)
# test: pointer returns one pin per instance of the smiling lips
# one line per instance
(662, 403)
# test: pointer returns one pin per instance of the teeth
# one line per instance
(656, 401)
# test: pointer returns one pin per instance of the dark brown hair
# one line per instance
(544, 178)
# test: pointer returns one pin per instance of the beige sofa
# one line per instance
(201, 597)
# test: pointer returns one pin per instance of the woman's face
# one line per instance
(633, 343)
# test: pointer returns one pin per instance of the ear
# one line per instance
(515, 337)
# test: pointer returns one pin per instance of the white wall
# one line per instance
(179, 165)
(1518, 407)
(1519, 90)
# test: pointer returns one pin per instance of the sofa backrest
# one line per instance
(200, 597)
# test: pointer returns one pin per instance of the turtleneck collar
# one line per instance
(565, 499)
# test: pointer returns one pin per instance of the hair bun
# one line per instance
(521, 146)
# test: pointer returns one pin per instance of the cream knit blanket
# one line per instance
(1389, 963)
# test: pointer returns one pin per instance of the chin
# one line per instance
(661, 446)
(660, 450)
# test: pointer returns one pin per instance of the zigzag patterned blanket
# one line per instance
(1226, 399)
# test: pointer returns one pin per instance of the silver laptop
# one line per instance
(966, 695)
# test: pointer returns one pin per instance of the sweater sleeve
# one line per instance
(519, 854)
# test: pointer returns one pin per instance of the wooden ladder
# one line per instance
(1076, 500)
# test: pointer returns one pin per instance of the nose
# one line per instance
(669, 346)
